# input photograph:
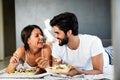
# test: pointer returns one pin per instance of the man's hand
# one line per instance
(72, 72)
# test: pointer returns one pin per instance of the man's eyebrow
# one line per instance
(57, 32)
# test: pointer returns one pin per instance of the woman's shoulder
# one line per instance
(46, 46)
(47, 49)
(20, 51)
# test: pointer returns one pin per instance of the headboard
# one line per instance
(106, 42)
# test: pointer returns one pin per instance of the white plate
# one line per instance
(58, 69)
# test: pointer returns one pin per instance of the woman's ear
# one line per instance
(28, 41)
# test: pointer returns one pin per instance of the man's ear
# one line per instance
(69, 33)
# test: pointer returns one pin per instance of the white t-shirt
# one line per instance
(81, 57)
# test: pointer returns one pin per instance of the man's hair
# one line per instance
(66, 21)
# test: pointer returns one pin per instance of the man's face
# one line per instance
(60, 35)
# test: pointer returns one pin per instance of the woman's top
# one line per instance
(25, 65)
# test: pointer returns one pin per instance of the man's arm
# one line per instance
(97, 62)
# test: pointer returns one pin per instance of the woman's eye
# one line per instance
(37, 35)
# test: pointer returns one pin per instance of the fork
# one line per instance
(57, 60)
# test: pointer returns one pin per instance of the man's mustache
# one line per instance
(58, 38)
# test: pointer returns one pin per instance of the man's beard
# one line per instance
(63, 41)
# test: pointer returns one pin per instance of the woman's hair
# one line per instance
(26, 33)
(66, 21)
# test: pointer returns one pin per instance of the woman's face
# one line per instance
(36, 39)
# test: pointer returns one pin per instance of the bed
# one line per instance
(108, 75)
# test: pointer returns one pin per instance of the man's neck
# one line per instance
(74, 42)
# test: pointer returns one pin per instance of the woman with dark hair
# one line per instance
(34, 54)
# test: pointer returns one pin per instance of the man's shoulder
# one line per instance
(87, 36)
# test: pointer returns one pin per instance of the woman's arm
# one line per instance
(45, 59)
(47, 53)
(14, 60)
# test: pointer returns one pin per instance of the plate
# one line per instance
(22, 73)
(61, 68)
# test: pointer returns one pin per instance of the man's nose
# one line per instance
(55, 35)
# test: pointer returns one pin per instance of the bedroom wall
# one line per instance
(7, 28)
(1, 32)
(93, 15)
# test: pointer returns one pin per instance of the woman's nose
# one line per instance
(41, 37)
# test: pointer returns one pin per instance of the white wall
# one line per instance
(1, 32)
(93, 15)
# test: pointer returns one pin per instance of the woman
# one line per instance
(35, 53)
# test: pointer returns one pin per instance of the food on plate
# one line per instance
(61, 68)
(23, 71)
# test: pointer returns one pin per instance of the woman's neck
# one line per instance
(35, 51)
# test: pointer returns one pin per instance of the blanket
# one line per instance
(109, 51)
(53, 76)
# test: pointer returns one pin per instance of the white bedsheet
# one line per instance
(109, 71)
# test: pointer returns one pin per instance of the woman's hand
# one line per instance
(42, 62)
(39, 70)
(14, 60)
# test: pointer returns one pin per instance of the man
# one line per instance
(83, 52)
